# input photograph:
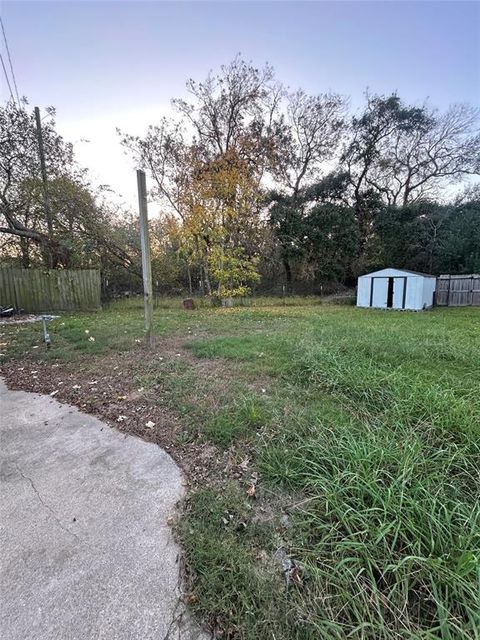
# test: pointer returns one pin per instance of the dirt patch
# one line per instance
(106, 386)
(20, 319)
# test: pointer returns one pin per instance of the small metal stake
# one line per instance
(46, 335)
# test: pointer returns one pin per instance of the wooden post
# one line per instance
(43, 169)
(146, 262)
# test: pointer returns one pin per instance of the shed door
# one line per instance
(399, 286)
(379, 292)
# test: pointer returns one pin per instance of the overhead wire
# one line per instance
(7, 78)
(10, 63)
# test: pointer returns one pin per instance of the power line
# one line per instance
(10, 61)
(6, 76)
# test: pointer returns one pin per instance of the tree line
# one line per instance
(256, 186)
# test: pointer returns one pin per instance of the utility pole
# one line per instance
(146, 262)
(46, 202)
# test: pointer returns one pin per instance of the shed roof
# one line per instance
(406, 272)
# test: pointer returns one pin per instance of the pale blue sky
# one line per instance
(103, 64)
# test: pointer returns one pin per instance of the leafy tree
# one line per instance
(399, 154)
(286, 220)
(223, 207)
(76, 229)
(317, 230)
(212, 178)
(233, 271)
(331, 241)
(20, 175)
(431, 237)
(364, 155)
(312, 130)
(460, 248)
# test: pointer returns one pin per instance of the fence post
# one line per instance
(146, 263)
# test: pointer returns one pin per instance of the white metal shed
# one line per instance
(396, 289)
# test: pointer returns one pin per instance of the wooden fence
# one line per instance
(458, 291)
(50, 290)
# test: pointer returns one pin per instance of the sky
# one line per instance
(113, 64)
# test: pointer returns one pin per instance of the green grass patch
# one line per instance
(363, 428)
(239, 420)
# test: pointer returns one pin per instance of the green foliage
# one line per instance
(430, 237)
(77, 228)
(233, 271)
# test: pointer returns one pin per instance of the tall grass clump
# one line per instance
(389, 533)
(398, 393)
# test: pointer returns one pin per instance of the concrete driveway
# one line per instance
(86, 552)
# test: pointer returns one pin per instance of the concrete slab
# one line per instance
(86, 552)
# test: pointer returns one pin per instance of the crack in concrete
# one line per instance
(47, 506)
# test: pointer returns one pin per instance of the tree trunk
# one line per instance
(24, 248)
(189, 274)
(207, 279)
(288, 273)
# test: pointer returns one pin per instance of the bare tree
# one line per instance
(314, 126)
(166, 156)
(407, 153)
(431, 157)
(228, 106)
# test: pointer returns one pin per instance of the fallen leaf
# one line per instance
(244, 464)
(251, 490)
(294, 576)
(190, 598)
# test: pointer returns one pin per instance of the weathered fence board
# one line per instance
(50, 289)
(458, 291)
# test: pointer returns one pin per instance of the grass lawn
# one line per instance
(333, 456)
